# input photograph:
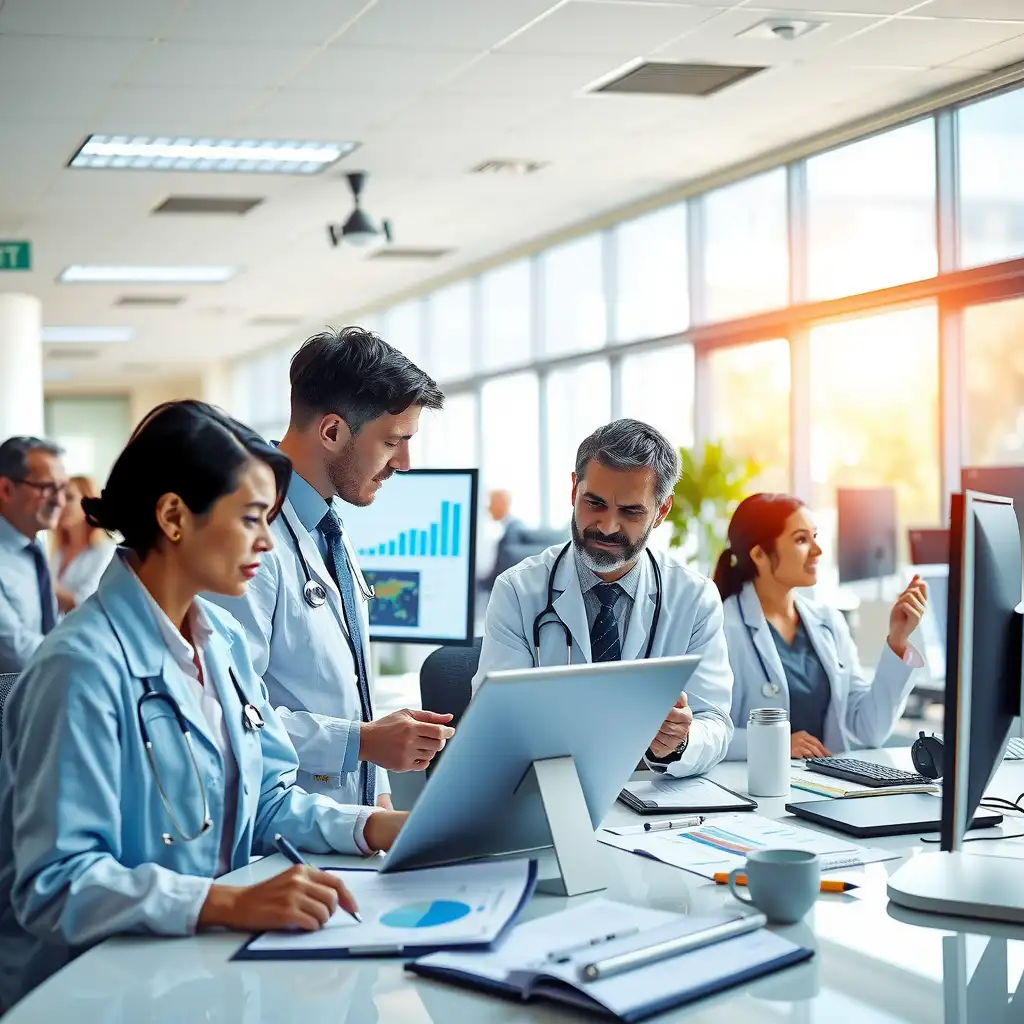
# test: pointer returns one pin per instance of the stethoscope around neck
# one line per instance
(544, 617)
(770, 688)
(313, 591)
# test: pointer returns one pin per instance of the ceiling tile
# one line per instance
(44, 99)
(922, 42)
(318, 116)
(993, 58)
(454, 25)
(30, 62)
(613, 28)
(367, 72)
(221, 65)
(845, 6)
(263, 21)
(515, 74)
(183, 111)
(716, 40)
(996, 10)
(100, 19)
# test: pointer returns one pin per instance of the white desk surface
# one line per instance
(874, 963)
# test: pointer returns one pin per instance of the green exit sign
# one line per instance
(15, 255)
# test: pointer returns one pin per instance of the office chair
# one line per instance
(6, 682)
(446, 678)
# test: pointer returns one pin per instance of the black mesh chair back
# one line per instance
(446, 678)
(6, 682)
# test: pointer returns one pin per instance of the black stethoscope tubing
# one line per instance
(543, 619)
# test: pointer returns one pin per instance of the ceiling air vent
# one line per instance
(392, 253)
(156, 301)
(208, 204)
(661, 79)
(71, 353)
(275, 321)
(516, 167)
(140, 367)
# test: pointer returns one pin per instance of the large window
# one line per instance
(746, 255)
(506, 301)
(403, 328)
(578, 402)
(573, 290)
(450, 332)
(511, 441)
(994, 364)
(447, 438)
(874, 415)
(871, 213)
(657, 387)
(991, 136)
(749, 403)
(651, 294)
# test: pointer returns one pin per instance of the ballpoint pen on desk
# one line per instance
(827, 884)
(563, 956)
(286, 849)
(689, 822)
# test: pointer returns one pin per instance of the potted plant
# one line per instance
(712, 484)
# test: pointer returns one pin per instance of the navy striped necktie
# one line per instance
(47, 603)
(604, 634)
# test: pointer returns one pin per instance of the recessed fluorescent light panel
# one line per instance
(87, 335)
(79, 273)
(239, 156)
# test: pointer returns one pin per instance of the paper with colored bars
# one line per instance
(466, 906)
(723, 844)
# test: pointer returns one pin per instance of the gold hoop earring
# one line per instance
(175, 537)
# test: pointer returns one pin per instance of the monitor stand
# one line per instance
(962, 885)
(580, 860)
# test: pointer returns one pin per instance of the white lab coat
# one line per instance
(81, 855)
(302, 653)
(861, 713)
(691, 623)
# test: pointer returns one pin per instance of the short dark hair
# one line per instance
(14, 453)
(358, 376)
(629, 444)
(186, 448)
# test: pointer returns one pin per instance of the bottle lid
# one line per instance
(768, 716)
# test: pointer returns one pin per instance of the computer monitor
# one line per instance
(983, 696)
(866, 531)
(1005, 480)
(983, 645)
(416, 545)
(928, 547)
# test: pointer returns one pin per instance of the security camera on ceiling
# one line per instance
(359, 229)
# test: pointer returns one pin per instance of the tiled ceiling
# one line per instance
(431, 89)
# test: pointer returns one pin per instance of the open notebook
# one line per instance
(544, 958)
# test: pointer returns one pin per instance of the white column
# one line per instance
(21, 365)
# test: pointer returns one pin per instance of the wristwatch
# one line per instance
(669, 758)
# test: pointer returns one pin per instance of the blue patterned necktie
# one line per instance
(337, 562)
(46, 601)
(604, 634)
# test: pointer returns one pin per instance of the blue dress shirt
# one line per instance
(21, 616)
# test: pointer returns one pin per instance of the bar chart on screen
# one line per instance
(415, 544)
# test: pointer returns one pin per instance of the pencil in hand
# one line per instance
(827, 884)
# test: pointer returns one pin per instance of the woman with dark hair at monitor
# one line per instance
(789, 651)
(141, 756)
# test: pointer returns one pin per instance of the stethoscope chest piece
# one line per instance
(770, 689)
(314, 593)
(252, 720)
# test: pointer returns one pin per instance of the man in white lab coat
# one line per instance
(604, 593)
(355, 405)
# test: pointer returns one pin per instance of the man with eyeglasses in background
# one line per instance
(33, 490)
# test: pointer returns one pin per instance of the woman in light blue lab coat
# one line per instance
(141, 757)
(789, 651)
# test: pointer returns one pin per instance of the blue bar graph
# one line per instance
(440, 539)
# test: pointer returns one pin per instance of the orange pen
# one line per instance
(827, 884)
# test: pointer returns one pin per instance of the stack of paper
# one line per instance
(825, 785)
(723, 844)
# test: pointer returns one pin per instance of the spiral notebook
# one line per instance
(544, 959)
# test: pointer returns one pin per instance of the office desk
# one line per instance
(873, 964)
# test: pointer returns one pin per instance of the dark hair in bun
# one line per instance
(186, 448)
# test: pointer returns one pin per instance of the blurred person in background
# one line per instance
(80, 552)
(33, 491)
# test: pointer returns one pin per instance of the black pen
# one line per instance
(286, 849)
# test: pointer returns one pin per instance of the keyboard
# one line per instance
(1014, 750)
(864, 773)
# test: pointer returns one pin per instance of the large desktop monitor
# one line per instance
(866, 532)
(416, 545)
(983, 696)
(1005, 480)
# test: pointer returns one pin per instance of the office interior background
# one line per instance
(820, 266)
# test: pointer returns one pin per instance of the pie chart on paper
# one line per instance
(428, 914)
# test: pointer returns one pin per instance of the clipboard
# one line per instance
(683, 796)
